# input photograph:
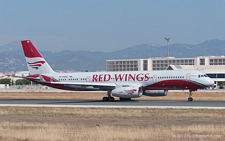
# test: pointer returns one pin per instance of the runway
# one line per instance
(196, 104)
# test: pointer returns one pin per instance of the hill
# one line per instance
(12, 59)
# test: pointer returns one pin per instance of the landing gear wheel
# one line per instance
(105, 99)
(125, 99)
(190, 99)
(190, 95)
(108, 99)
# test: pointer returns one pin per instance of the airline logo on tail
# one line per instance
(36, 64)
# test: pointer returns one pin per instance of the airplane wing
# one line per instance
(87, 85)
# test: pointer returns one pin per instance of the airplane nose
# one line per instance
(210, 82)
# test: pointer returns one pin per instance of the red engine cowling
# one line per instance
(128, 92)
(155, 92)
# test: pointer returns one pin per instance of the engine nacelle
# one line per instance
(155, 92)
(128, 92)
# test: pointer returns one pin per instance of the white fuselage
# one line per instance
(188, 79)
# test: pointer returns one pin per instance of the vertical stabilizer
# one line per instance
(35, 62)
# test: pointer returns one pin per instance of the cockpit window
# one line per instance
(202, 75)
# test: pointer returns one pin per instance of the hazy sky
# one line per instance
(109, 25)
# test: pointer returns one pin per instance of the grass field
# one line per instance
(94, 124)
(99, 124)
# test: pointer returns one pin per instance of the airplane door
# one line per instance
(88, 79)
(154, 78)
(188, 76)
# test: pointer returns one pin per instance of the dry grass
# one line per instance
(94, 124)
(53, 132)
(98, 124)
(99, 95)
(120, 113)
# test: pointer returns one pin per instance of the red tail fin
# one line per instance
(35, 62)
(29, 49)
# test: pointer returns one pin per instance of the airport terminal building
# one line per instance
(213, 66)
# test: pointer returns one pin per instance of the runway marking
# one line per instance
(102, 106)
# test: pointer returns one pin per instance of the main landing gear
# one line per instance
(190, 96)
(109, 98)
(125, 99)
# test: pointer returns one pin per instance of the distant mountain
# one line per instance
(12, 59)
(10, 47)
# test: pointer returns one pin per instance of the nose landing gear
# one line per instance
(190, 95)
(190, 99)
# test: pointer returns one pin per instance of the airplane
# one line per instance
(122, 84)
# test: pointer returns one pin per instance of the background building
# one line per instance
(160, 63)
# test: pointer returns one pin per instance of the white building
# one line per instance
(22, 74)
(160, 63)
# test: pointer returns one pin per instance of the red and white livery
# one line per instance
(123, 84)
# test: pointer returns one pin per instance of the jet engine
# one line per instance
(155, 92)
(128, 92)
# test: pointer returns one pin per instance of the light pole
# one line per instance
(168, 50)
